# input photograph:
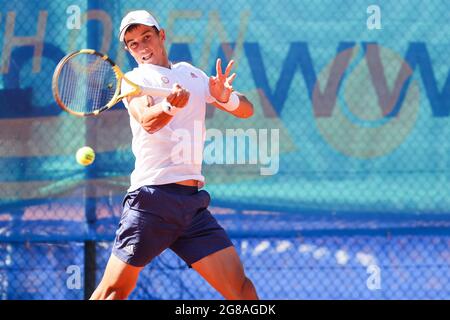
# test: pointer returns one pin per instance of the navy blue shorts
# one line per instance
(171, 216)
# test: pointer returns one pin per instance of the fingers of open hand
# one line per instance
(231, 78)
(225, 75)
(219, 68)
(228, 69)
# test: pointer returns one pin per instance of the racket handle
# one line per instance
(159, 92)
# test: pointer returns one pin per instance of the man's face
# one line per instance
(146, 45)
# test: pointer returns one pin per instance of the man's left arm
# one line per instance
(221, 89)
(244, 109)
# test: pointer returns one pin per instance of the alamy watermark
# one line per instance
(374, 280)
(231, 146)
(374, 20)
(73, 281)
(74, 19)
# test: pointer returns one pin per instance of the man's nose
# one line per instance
(143, 48)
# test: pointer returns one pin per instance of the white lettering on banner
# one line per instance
(107, 30)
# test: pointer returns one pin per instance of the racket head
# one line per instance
(86, 82)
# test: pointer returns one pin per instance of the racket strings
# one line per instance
(86, 83)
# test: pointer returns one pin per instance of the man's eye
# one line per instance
(133, 45)
(146, 37)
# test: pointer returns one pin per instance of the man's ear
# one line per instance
(162, 34)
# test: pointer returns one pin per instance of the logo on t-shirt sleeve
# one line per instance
(165, 80)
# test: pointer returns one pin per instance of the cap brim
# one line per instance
(124, 30)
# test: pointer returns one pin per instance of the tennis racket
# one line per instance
(87, 82)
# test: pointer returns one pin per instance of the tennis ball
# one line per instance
(85, 156)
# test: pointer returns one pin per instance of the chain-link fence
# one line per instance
(336, 188)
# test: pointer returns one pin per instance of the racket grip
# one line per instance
(159, 92)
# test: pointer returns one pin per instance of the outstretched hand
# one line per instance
(220, 85)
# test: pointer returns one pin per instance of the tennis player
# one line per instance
(164, 207)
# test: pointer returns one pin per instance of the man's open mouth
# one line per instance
(147, 57)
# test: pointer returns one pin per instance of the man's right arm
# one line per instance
(153, 117)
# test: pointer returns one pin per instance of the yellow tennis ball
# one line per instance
(85, 156)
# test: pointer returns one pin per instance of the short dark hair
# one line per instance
(135, 26)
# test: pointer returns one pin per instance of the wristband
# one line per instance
(168, 108)
(232, 103)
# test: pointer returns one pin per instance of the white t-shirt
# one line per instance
(175, 152)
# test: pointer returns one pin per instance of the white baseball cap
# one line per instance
(137, 17)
